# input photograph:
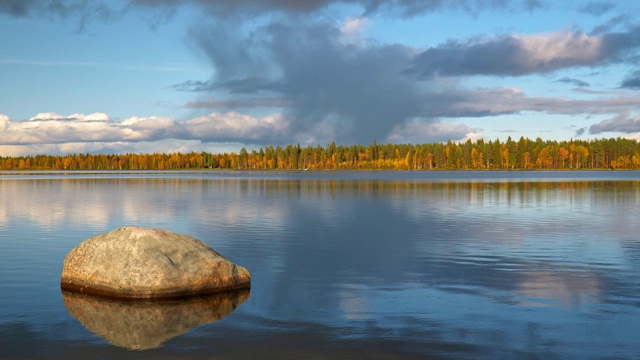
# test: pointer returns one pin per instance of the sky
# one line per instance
(143, 76)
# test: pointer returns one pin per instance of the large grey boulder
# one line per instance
(143, 263)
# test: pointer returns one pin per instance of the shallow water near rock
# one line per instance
(347, 265)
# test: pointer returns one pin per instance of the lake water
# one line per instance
(387, 265)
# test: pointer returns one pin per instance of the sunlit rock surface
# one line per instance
(146, 324)
(140, 263)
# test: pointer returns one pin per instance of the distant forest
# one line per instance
(523, 154)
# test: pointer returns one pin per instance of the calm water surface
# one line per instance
(344, 265)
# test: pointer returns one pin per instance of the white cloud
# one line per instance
(568, 47)
(233, 125)
(423, 132)
(352, 29)
(4, 121)
(149, 123)
(49, 116)
(150, 128)
(98, 117)
(319, 132)
(78, 133)
(353, 24)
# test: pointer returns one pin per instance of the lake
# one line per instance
(387, 265)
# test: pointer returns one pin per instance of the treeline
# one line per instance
(524, 154)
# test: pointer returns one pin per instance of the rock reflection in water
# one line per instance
(140, 325)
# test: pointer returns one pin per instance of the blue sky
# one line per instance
(193, 75)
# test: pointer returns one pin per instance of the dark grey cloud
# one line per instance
(250, 85)
(363, 86)
(575, 82)
(402, 8)
(24, 8)
(597, 8)
(632, 81)
(616, 22)
(359, 88)
(409, 8)
(234, 55)
(16, 7)
(239, 103)
(580, 131)
(194, 86)
(513, 55)
(157, 11)
(620, 123)
(81, 11)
